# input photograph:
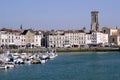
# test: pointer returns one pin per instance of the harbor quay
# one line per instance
(58, 50)
(93, 49)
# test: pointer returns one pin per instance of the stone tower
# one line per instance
(94, 21)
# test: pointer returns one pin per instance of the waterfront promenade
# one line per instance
(36, 50)
(92, 49)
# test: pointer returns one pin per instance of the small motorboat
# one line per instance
(3, 66)
(10, 64)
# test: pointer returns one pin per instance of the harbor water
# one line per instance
(69, 66)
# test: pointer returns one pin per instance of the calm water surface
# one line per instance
(69, 66)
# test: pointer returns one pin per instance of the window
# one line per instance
(104, 31)
(2, 40)
(5, 40)
(113, 40)
(12, 40)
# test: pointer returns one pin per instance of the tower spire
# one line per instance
(21, 27)
(94, 21)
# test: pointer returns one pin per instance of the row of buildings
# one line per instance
(20, 38)
(61, 38)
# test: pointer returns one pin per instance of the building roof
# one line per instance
(111, 27)
(25, 31)
(74, 31)
(10, 30)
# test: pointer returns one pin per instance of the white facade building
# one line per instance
(37, 38)
(74, 38)
(88, 38)
(56, 39)
(3, 38)
(13, 37)
(16, 38)
(99, 38)
(9, 37)
(69, 38)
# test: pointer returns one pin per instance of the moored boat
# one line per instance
(3, 66)
(10, 64)
(35, 61)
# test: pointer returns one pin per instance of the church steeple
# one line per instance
(21, 27)
(94, 21)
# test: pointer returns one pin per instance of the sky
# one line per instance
(57, 14)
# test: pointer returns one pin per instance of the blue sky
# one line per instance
(57, 14)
